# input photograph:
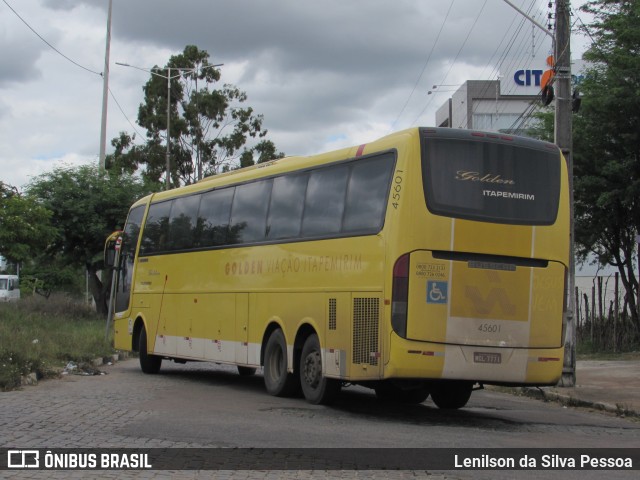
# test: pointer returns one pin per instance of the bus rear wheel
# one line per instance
(277, 380)
(148, 363)
(451, 395)
(317, 388)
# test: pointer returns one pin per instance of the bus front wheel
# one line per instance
(317, 388)
(148, 363)
(277, 379)
(451, 395)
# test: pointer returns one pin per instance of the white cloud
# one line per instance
(324, 74)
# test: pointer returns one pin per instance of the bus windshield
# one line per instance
(491, 178)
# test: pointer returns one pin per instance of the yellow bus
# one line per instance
(429, 262)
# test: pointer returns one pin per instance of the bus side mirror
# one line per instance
(111, 245)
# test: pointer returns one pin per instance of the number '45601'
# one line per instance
(396, 189)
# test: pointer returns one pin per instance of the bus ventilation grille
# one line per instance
(333, 317)
(366, 315)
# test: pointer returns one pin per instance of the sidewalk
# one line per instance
(610, 385)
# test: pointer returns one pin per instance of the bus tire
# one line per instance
(388, 392)
(148, 363)
(317, 389)
(246, 371)
(451, 395)
(277, 380)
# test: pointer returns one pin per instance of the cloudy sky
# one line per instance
(325, 74)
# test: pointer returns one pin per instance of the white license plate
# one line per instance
(486, 357)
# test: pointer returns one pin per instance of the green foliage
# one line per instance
(86, 205)
(543, 127)
(42, 336)
(26, 227)
(607, 141)
(209, 128)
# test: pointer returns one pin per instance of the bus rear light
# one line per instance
(400, 296)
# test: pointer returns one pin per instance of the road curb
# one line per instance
(568, 400)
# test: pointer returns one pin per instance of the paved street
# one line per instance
(207, 405)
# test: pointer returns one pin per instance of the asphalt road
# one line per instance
(200, 405)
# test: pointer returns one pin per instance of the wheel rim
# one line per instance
(312, 369)
(276, 362)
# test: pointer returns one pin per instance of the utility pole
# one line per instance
(564, 141)
(168, 154)
(105, 92)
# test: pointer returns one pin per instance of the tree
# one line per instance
(26, 227)
(86, 205)
(607, 142)
(209, 128)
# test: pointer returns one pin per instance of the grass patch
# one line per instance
(42, 335)
(608, 356)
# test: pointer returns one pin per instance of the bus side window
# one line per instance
(367, 194)
(324, 203)
(156, 230)
(182, 222)
(287, 203)
(249, 212)
(213, 218)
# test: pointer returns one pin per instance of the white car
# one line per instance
(9, 288)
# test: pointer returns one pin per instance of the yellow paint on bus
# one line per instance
(421, 263)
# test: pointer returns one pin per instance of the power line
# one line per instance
(454, 60)
(51, 46)
(425, 65)
(124, 114)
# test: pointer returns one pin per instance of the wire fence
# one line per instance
(603, 314)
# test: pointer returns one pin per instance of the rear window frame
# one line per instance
(436, 208)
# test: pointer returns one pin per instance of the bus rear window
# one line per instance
(515, 181)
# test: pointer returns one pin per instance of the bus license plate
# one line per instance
(485, 357)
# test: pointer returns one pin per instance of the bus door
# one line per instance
(124, 279)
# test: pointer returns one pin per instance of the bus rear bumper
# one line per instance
(490, 365)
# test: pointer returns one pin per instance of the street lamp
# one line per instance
(432, 91)
(169, 78)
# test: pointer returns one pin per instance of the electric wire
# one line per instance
(425, 65)
(46, 42)
(123, 113)
(454, 60)
(506, 54)
(520, 52)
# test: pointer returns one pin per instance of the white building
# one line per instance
(486, 105)
(503, 105)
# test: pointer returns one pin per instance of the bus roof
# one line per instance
(287, 164)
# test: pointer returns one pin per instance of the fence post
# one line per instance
(615, 316)
(593, 312)
(578, 309)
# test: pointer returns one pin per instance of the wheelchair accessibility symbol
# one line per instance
(436, 292)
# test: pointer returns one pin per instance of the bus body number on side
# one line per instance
(397, 188)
